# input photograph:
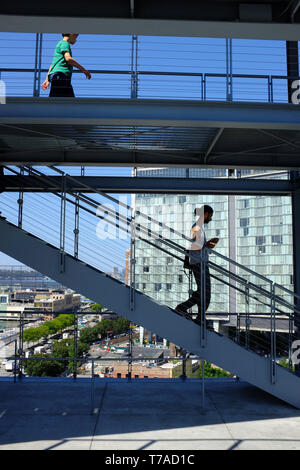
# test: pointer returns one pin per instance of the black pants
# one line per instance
(195, 299)
(61, 86)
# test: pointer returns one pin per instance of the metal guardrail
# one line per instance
(269, 90)
(18, 375)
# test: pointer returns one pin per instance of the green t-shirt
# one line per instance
(59, 64)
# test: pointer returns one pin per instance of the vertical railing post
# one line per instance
(270, 89)
(203, 264)
(290, 339)
(190, 277)
(132, 260)
(183, 364)
(21, 344)
(202, 383)
(229, 69)
(204, 86)
(247, 316)
(92, 387)
(75, 336)
(76, 229)
(134, 71)
(37, 65)
(238, 327)
(273, 334)
(21, 200)
(129, 374)
(62, 224)
(15, 362)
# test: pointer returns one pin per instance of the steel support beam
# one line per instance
(129, 112)
(150, 27)
(153, 185)
(123, 158)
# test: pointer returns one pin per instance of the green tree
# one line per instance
(31, 335)
(43, 368)
(44, 331)
(88, 335)
(61, 348)
(62, 321)
(210, 371)
(82, 348)
(50, 325)
(97, 308)
(122, 325)
(108, 325)
(54, 368)
(48, 328)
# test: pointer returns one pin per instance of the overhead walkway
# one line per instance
(244, 357)
(131, 132)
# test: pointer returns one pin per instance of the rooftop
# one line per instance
(144, 414)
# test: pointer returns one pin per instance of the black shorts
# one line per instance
(60, 86)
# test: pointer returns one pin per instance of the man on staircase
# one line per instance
(199, 242)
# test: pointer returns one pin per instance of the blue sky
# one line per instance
(154, 54)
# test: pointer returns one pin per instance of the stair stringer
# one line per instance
(102, 288)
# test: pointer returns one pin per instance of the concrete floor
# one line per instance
(143, 414)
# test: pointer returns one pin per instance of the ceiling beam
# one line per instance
(130, 158)
(129, 112)
(151, 185)
(150, 27)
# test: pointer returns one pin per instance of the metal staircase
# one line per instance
(47, 234)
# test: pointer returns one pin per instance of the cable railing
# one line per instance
(269, 330)
(166, 85)
(145, 67)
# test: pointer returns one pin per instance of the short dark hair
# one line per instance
(206, 208)
(65, 34)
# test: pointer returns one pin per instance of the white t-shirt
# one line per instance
(197, 244)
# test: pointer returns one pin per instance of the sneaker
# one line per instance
(180, 310)
(184, 313)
